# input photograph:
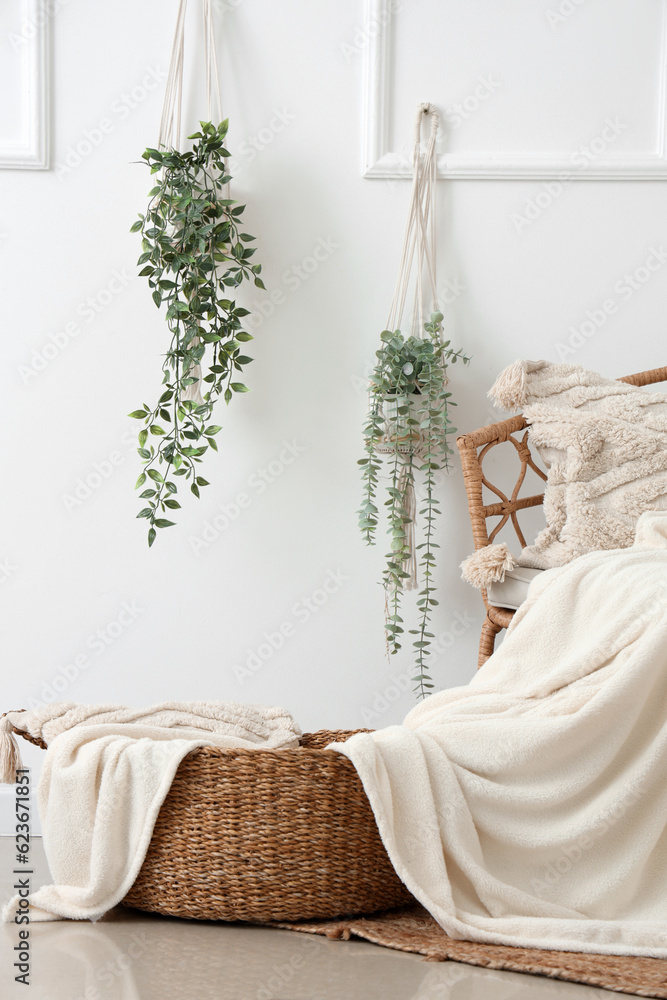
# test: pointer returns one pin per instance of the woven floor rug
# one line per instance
(411, 928)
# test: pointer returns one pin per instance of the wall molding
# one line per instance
(31, 150)
(380, 161)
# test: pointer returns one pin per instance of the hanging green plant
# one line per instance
(408, 424)
(194, 257)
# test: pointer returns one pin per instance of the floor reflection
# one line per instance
(133, 956)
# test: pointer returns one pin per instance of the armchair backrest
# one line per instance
(476, 445)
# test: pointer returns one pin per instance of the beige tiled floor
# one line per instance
(134, 956)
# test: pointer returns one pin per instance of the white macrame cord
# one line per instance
(170, 123)
(419, 238)
(418, 254)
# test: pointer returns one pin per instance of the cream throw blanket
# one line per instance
(106, 773)
(530, 807)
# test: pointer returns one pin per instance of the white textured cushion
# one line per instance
(513, 590)
(604, 444)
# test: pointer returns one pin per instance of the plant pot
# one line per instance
(396, 427)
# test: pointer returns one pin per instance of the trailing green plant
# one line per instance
(194, 256)
(408, 423)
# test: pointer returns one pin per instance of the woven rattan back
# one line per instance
(474, 448)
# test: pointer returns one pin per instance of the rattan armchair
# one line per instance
(473, 448)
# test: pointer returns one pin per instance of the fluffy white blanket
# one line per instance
(530, 807)
(106, 773)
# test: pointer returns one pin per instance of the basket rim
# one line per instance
(232, 752)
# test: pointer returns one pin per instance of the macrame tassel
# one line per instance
(10, 758)
(193, 391)
(406, 485)
(487, 565)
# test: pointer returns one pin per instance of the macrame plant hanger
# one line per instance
(170, 123)
(419, 239)
(418, 254)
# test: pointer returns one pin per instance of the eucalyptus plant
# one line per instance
(195, 257)
(408, 423)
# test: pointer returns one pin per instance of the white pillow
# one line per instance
(604, 444)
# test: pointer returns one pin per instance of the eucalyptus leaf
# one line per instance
(407, 429)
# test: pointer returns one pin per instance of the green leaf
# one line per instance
(140, 481)
(160, 522)
(138, 414)
(194, 258)
(151, 536)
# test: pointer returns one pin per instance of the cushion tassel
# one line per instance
(487, 565)
(509, 389)
(10, 757)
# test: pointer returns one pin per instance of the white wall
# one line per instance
(70, 573)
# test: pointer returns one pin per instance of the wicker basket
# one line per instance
(265, 835)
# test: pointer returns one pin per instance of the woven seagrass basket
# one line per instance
(265, 835)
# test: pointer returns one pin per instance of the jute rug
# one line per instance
(411, 928)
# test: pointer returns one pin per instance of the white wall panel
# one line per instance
(526, 263)
(524, 89)
(24, 84)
